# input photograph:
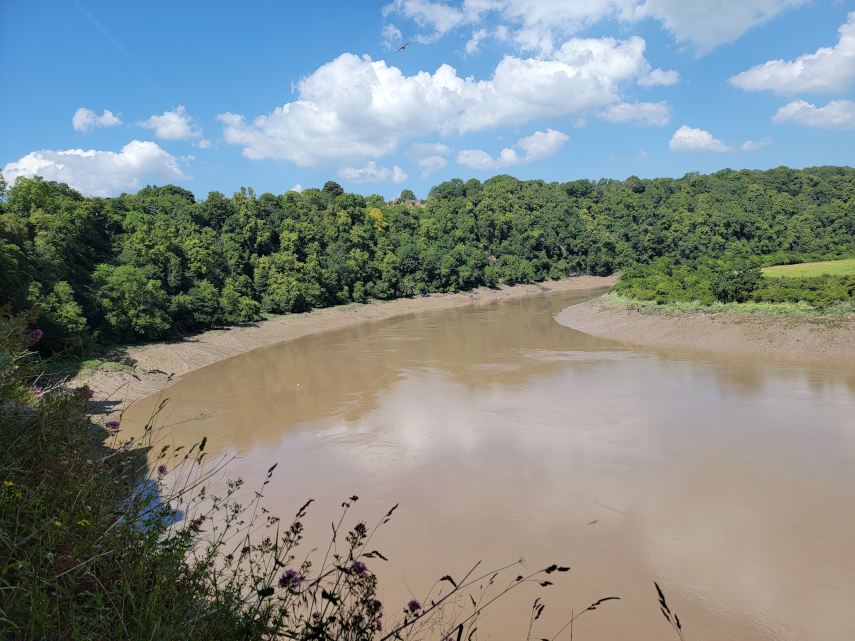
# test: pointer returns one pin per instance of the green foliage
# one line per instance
(159, 263)
(736, 285)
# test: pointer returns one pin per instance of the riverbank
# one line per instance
(148, 369)
(803, 337)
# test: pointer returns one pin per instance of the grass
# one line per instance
(806, 270)
(800, 309)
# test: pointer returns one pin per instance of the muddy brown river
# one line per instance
(729, 481)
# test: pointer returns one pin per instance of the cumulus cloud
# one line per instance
(428, 156)
(539, 24)
(539, 146)
(750, 145)
(353, 108)
(830, 69)
(99, 173)
(85, 119)
(657, 78)
(176, 125)
(372, 172)
(695, 141)
(837, 114)
(298, 188)
(657, 114)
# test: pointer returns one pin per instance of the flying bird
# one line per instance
(403, 45)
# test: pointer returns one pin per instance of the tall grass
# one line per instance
(806, 270)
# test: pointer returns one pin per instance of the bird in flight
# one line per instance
(404, 45)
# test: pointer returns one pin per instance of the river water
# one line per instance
(729, 481)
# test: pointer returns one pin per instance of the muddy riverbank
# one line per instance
(765, 335)
(154, 367)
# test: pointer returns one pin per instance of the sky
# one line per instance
(213, 96)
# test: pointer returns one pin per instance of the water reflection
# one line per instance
(729, 480)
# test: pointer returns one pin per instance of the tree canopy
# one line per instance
(161, 263)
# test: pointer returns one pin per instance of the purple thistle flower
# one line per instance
(36, 335)
(210, 564)
(413, 606)
(91, 393)
(245, 550)
(290, 580)
(230, 558)
(161, 469)
(378, 624)
(375, 606)
(316, 616)
(358, 569)
(112, 425)
(198, 522)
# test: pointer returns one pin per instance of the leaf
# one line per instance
(449, 579)
(265, 592)
(332, 598)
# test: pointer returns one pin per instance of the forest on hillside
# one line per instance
(160, 263)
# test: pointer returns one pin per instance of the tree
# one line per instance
(333, 189)
(407, 195)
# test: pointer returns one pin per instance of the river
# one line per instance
(729, 481)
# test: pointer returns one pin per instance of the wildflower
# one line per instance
(290, 580)
(375, 606)
(57, 523)
(198, 522)
(245, 550)
(161, 469)
(230, 558)
(83, 522)
(358, 569)
(210, 564)
(316, 616)
(378, 624)
(38, 392)
(112, 425)
(8, 483)
(91, 393)
(413, 606)
(36, 335)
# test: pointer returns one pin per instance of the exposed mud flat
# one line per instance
(764, 335)
(159, 365)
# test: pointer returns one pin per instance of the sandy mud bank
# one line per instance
(763, 335)
(158, 365)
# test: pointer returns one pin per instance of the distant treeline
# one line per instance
(159, 263)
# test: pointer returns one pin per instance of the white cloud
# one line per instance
(837, 114)
(657, 78)
(539, 146)
(695, 141)
(750, 145)
(99, 173)
(539, 24)
(392, 38)
(353, 108)
(429, 156)
(175, 125)
(657, 114)
(372, 172)
(475, 41)
(85, 119)
(298, 188)
(830, 69)
(707, 25)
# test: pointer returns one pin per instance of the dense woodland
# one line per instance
(159, 263)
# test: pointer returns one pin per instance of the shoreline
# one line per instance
(756, 334)
(157, 366)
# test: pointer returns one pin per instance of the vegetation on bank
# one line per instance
(159, 263)
(795, 310)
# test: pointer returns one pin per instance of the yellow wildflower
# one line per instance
(8, 483)
(83, 522)
(57, 524)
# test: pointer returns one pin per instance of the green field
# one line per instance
(830, 267)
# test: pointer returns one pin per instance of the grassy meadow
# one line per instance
(807, 270)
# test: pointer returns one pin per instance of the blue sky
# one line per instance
(111, 96)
